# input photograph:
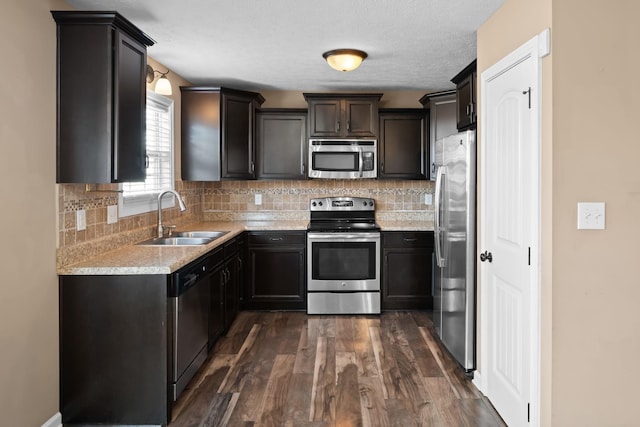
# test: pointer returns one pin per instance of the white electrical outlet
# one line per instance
(428, 199)
(81, 220)
(258, 199)
(591, 216)
(112, 214)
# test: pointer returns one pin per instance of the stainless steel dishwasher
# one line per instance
(189, 290)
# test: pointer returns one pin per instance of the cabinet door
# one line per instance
(407, 270)
(276, 272)
(200, 142)
(360, 117)
(281, 145)
(129, 150)
(216, 314)
(231, 291)
(403, 146)
(237, 137)
(464, 93)
(325, 118)
(442, 123)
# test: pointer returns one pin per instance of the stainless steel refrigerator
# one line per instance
(455, 247)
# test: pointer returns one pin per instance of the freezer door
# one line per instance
(458, 276)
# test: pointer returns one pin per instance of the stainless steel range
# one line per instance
(343, 253)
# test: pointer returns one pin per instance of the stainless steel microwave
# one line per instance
(343, 158)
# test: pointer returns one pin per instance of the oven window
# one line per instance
(343, 261)
(335, 161)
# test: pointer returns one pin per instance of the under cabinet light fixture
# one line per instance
(163, 85)
(344, 59)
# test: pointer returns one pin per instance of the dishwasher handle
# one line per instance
(188, 276)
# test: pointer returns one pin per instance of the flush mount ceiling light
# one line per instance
(163, 85)
(344, 59)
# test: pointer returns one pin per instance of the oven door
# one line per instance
(343, 262)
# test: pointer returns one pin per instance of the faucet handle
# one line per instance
(169, 227)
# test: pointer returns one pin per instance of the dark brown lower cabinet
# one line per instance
(234, 270)
(407, 270)
(276, 266)
(217, 312)
(114, 350)
(226, 280)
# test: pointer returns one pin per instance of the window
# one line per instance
(141, 197)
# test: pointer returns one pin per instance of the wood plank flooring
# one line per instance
(289, 369)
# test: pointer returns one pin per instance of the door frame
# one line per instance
(535, 48)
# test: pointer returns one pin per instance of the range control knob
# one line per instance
(364, 203)
(320, 203)
(313, 203)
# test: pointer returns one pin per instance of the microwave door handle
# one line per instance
(361, 161)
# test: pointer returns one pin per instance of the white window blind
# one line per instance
(140, 197)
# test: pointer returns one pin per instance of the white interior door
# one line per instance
(509, 235)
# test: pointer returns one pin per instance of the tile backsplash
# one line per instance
(223, 200)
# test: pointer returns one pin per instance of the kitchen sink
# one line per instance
(206, 234)
(185, 238)
(176, 241)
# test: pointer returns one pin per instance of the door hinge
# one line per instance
(528, 412)
(524, 92)
(529, 255)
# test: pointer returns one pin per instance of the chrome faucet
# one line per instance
(183, 208)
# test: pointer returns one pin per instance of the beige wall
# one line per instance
(28, 305)
(596, 285)
(590, 329)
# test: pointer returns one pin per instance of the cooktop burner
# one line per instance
(335, 214)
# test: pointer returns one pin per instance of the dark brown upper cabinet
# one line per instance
(281, 144)
(403, 149)
(343, 115)
(218, 133)
(442, 121)
(101, 88)
(465, 82)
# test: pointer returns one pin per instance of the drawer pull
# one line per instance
(276, 239)
(410, 239)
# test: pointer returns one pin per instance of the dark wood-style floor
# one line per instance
(294, 370)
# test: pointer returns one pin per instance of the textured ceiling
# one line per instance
(278, 44)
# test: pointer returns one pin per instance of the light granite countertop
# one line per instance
(138, 259)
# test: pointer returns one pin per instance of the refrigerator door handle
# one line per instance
(437, 220)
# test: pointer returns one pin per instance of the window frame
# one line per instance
(135, 205)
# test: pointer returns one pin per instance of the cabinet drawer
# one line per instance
(409, 239)
(232, 246)
(217, 256)
(277, 238)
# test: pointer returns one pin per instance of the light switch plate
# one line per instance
(112, 214)
(591, 216)
(258, 199)
(428, 199)
(81, 220)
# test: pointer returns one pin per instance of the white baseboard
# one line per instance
(55, 421)
(479, 382)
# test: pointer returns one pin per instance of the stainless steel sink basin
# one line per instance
(176, 241)
(207, 234)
